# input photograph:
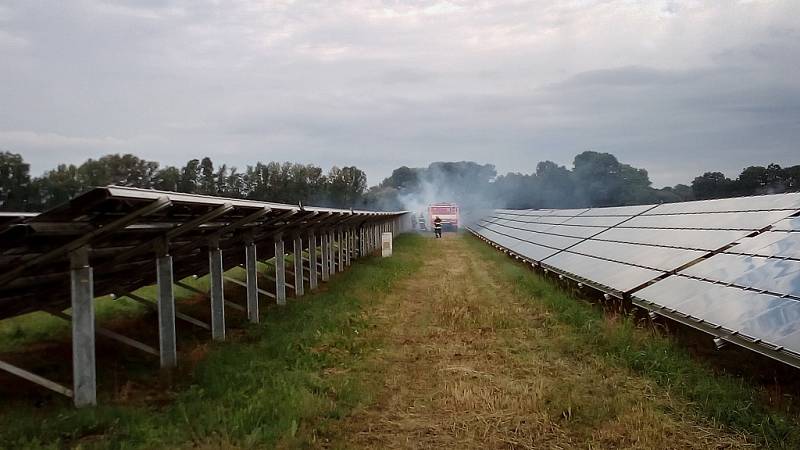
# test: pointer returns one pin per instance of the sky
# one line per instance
(676, 87)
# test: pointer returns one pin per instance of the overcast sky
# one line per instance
(676, 87)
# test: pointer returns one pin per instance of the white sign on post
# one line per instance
(386, 244)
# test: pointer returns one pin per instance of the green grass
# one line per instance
(279, 383)
(17, 332)
(719, 398)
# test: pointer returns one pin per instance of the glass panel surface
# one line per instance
(662, 258)
(790, 224)
(790, 341)
(760, 316)
(775, 323)
(696, 239)
(618, 210)
(533, 251)
(730, 221)
(756, 203)
(621, 277)
(608, 221)
(775, 275)
(551, 240)
(574, 230)
(566, 212)
(774, 243)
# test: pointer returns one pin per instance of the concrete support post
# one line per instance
(217, 291)
(251, 267)
(84, 370)
(324, 247)
(298, 266)
(312, 261)
(280, 270)
(167, 346)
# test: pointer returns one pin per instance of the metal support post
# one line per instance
(312, 260)
(298, 266)
(217, 291)
(324, 247)
(280, 270)
(331, 253)
(167, 347)
(342, 245)
(251, 267)
(348, 246)
(84, 370)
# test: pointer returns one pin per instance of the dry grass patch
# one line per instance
(467, 363)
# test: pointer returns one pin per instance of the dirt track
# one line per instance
(468, 364)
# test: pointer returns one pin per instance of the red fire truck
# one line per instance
(448, 212)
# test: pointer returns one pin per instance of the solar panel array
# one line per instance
(730, 267)
(122, 225)
(114, 240)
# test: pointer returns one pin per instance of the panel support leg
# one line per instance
(342, 245)
(280, 270)
(348, 247)
(252, 282)
(298, 266)
(84, 370)
(331, 253)
(167, 347)
(325, 258)
(312, 261)
(217, 292)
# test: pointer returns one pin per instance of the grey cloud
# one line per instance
(674, 87)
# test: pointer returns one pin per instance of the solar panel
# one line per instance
(660, 258)
(754, 203)
(780, 276)
(729, 267)
(122, 255)
(776, 244)
(747, 220)
(756, 315)
(708, 240)
(790, 224)
(617, 276)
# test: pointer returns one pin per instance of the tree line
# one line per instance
(278, 182)
(595, 179)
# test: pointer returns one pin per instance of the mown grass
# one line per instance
(718, 398)
(277, 384)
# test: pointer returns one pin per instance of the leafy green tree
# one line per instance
(190, 177)
(712, 185)
(15, 182)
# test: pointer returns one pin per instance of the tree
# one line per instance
(190, 174)
(712, 185)
(15, 182)
(207, 180)
(602, 180)
(347, 185)
(167, 179)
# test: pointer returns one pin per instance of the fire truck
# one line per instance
(448, 212)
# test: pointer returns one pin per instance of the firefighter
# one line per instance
(437, 227)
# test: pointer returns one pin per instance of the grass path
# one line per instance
(468, 362)
(448, 344)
